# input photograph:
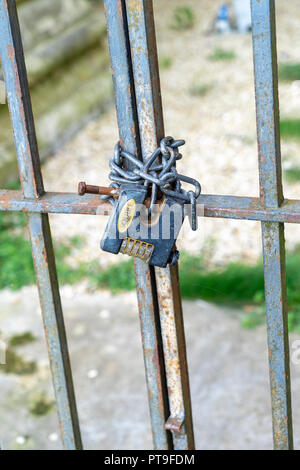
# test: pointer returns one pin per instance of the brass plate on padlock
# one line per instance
(126, 216)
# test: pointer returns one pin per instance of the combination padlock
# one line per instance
(135, 231)
(149, 204)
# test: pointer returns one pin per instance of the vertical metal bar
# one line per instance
(268, 129)
(145, 279)
(172, 325)
(43, 255)
(150, 115)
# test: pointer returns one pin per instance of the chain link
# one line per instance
(158, 171)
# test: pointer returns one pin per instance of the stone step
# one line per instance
(61, 104)
(64, 47)
(43, 19)
(68, 72)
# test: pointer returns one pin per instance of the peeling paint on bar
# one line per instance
(225, 207)
(43, 255)
(149, 107)
(269, 156)
(144, 275)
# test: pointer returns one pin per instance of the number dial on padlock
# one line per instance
(133, 232)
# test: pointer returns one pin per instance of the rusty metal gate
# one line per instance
(132, 44)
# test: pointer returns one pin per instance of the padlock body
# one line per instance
(113, 237)
(130, 231)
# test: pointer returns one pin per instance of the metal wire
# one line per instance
(158, 172)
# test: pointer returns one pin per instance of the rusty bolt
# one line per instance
(81, 188)
(84, 188)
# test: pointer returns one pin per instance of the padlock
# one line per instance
(149, 204)
(135, 232)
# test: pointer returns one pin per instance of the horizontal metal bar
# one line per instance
(54, 203)
(227, 207)
(248, 208)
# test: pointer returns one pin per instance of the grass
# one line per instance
(15, 254)
(165, 62)
(15, 364)
(292, 175)
(41, 405)
(251, 320)
(236, 284)
(200, 90)
(290, 129)
(183, 18)
(289, 72)
(22, 339)
(220, 54)
(16, 266)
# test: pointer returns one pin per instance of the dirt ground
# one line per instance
(219, 129)
(228, 373)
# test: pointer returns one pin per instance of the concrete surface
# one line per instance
(228, 367)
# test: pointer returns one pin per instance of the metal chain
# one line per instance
(158, 171)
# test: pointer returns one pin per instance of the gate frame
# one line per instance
(133, 53)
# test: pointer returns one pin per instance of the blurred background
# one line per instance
(205, 57)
